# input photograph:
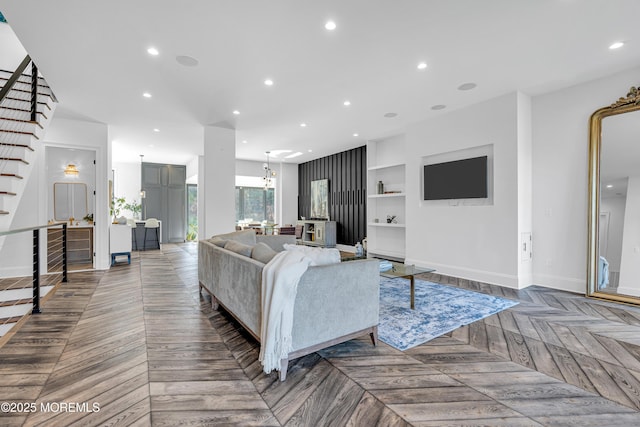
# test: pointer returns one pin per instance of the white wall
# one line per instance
(560, 195)
(127, 182)
(630, 261)
(57, 159)
(12, 51)
(475, 242)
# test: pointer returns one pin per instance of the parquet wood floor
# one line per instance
(142, 344)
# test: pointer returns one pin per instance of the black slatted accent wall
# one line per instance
(347, 175)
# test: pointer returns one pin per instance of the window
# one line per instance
(192, 212)
(255, 203)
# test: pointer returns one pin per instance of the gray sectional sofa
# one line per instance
(334, 303)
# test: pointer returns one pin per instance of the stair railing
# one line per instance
(36, 257)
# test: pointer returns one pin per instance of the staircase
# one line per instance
(23, 119)
(26, 108)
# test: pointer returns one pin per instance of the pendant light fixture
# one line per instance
(268, 173)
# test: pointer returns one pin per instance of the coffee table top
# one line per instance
(404, 270)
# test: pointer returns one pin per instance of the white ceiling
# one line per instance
(94, 56)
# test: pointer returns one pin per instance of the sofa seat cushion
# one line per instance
(247, 237)
(262, 252)
(319, 256)
(239, 248)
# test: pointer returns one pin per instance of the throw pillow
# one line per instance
(319, 256)
(263, 253)
(238, 248)
(247, 237)
(218, 241)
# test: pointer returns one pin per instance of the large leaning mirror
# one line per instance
(69, 200)
(614, 201)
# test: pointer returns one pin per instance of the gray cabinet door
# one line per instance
(166, 192)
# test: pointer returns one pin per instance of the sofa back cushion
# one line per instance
(218, 241)
(239, 248)
(276, 242)
(262, 252)
(247, 237)
(319, 256)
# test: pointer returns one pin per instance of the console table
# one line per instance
(318, 233)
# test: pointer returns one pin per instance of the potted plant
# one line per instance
(117, 204)
(135, 208)
(88, 218)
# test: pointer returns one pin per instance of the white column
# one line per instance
(216, 183)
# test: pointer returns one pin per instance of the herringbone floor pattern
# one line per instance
(140, 343)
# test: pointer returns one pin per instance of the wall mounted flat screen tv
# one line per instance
(460, 179)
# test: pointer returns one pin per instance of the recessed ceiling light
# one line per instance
(391, 115)
(616, 45)
(152, 51)
(187, 61)
(276, 153)
(146, 95)
(156, 130)
(422, 66)
(467, 86)
(609, 186)
(346, 103)
(355, 134)
(268, 82)
(244, 141)
(439, 107)
(236, 112)
(330, 25)
(310, 151)
(151, 145)
(303, 125)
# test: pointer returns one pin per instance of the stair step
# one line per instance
(18, 311)
(19, 132)
(4, 329)
(4, 213)
(14, 159)
(7, 193)
(10, 320)
(16, 302)
(11, 175)
(10, 119)
(29, 92)
(24, 110)
(11, 144)
(11, 98)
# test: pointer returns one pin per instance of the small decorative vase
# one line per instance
(380, 187)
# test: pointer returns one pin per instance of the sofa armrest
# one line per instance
(336, 300)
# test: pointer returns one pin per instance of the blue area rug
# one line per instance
(439, 309)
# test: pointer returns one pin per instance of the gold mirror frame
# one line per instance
(624, 105)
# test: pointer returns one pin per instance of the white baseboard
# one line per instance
(493, 278)
(625, 290)
(569, 284)
(17, 271)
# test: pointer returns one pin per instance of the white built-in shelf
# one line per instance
(373, 168)
(385, 253)
(382, 196)
(385, 224)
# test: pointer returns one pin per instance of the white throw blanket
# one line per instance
(280, 279)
